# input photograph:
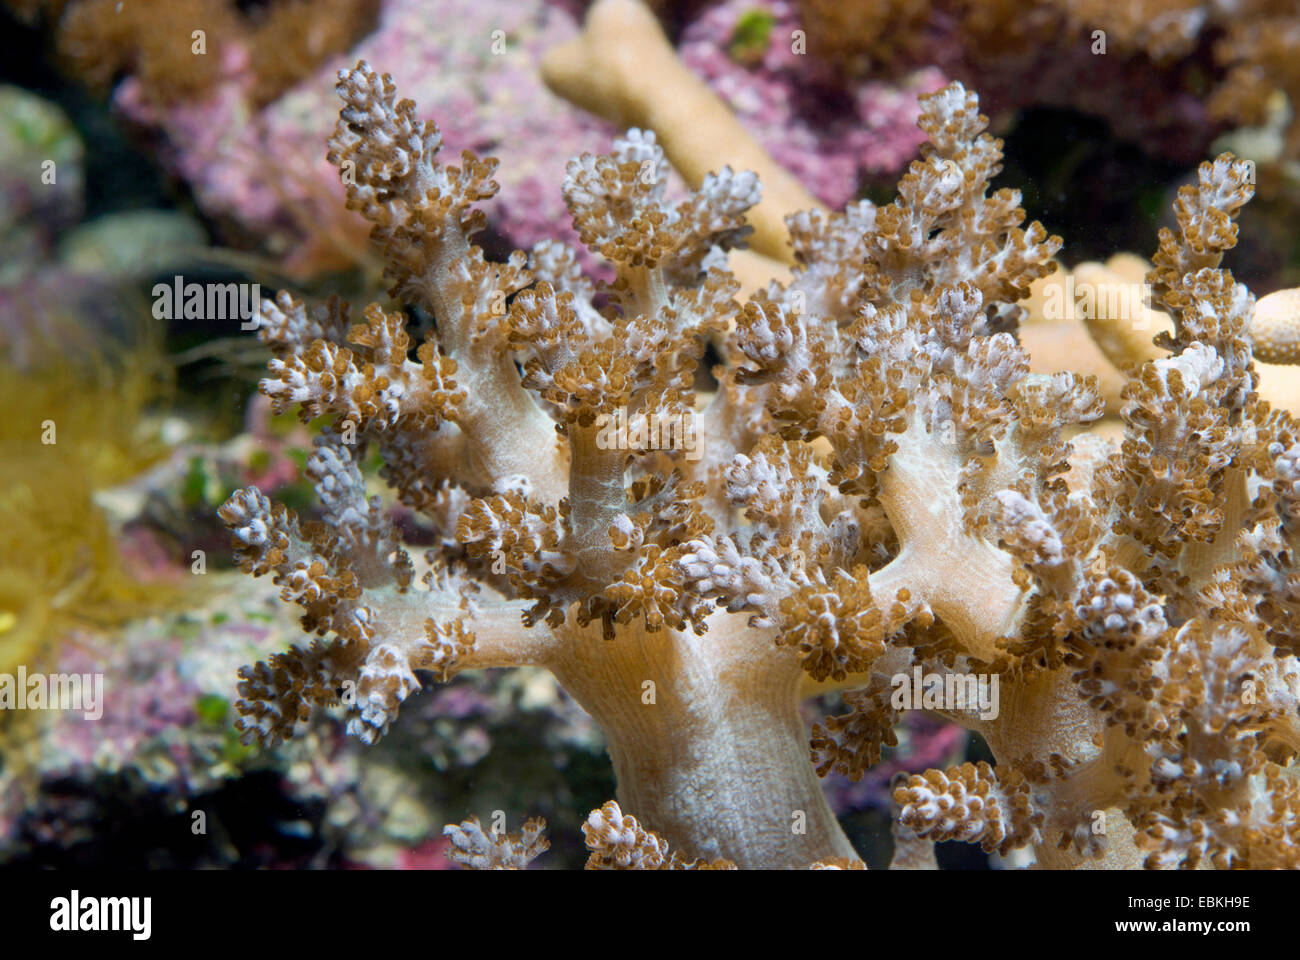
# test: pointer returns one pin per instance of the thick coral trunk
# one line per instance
(706, 741)
(1044, 717)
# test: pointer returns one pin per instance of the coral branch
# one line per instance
(472, 848)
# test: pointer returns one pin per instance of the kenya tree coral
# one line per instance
(874, 485)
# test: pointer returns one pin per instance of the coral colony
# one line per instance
(882, 490)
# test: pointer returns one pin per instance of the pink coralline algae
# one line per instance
(260, 173)
(826, 133)
(263, 173)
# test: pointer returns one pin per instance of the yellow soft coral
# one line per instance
(69, 429)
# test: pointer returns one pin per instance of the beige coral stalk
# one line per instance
(623, 68)
(1095, 319)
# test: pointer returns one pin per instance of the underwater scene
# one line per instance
(665, 435)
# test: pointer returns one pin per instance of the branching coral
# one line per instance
(471, 847)
(1095, 319)
(1253, 46)
(1241, 51)
(878, 485)
(167, 45)
(618, 842)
